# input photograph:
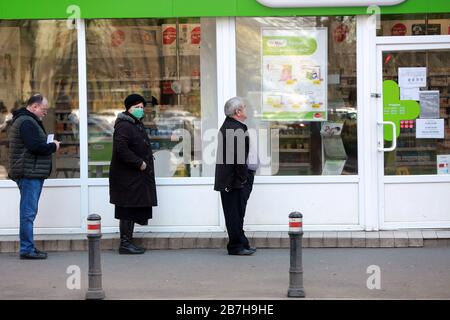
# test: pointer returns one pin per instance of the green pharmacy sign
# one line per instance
(395, 109)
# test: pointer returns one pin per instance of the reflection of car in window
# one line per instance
(100, 138)
(172, 120)
(170, 127)
(99, 126)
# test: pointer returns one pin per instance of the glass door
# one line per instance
(414, 135)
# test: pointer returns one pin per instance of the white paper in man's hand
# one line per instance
(50, 138)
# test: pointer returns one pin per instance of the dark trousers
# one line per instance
(234, 204)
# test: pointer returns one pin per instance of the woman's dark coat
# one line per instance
(128, 185)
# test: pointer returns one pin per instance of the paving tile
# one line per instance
(162, 241)
(330, 239)
(372, 239)
(259, 239)
(9, 246)
(429, 234)
(415, 239)
(344, 239)
(115, 243)
(106, 244)
(400, 239)
(219, 240)
(274, 239)
(443, 234)
(358, 239)
(7, 238)
(305, 240)
(63, 245)
(284, 240)
(79, 245)
(148, 243)
(203, 240)
(387, 239)
(316, 239)
(189, 240)
(176, 240)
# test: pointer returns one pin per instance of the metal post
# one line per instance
(296, 269)
(95, 291)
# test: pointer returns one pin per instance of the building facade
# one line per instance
(350, 106)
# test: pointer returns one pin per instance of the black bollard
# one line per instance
(296, 269)
(95, 291)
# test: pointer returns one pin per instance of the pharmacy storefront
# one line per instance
(349, 102)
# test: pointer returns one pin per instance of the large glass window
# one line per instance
(41, 57)
(298, 76)
(171, 60)
(414, 25)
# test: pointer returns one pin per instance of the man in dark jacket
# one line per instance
(233, 178)
(132, 186)
(30, 163)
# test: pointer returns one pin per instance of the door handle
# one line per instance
(394, 137)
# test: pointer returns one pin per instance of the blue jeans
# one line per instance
(30, 191)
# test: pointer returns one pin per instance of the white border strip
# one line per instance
(413, 40)
(326, 3)
(83, 127)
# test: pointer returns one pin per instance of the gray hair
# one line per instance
(232, 105)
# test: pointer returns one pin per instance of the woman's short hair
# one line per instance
(232, 105)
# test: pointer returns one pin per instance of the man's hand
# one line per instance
(143, 166)
(57, 144)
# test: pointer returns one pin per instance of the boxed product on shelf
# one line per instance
(438, 81)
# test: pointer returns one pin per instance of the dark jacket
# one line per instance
(30, 156)
(128, 185)
(232, 154)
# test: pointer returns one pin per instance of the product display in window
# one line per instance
(160, 60)
(298, 73)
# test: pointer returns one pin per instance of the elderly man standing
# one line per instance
(233, 178)
(30, 163)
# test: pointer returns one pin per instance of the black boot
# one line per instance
(126, 235)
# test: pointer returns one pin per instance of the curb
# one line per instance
(259, 239)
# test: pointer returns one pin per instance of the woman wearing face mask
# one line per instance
(132, 185)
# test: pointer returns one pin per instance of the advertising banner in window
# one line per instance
(294, 76)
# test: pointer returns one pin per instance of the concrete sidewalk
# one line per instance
(406, 273)
(218, 240)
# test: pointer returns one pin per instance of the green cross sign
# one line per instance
(395, 109)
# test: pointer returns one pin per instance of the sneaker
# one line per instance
(34, 255)
(242, 252)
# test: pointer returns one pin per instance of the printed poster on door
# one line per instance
(294, 74)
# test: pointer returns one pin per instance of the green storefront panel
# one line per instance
(51, 9)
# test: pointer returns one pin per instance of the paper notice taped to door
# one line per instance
(430, 129)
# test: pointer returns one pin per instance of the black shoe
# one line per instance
(34, 255)
(251, 249)
(243, 252)
(39, 251)
(127, 247)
